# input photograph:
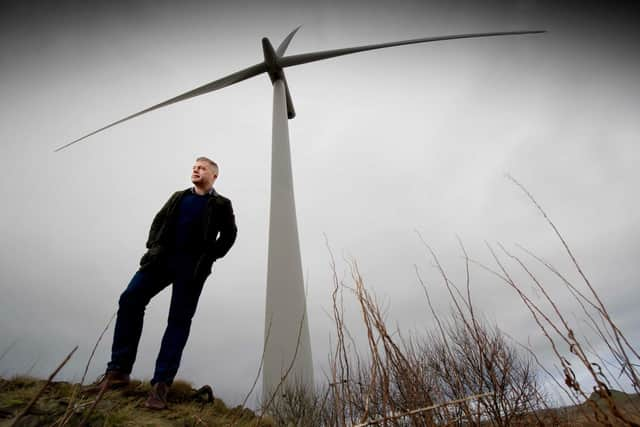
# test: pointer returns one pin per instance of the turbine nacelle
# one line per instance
(275, 71)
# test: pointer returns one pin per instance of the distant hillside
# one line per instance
(583, 414)
(617, 396)
(117, 408)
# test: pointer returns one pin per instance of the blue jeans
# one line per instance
(145, 284)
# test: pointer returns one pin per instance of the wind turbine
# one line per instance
(287, 351)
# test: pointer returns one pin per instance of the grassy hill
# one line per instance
(583, 414)
(117, 408)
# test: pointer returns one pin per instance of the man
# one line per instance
(192, 230)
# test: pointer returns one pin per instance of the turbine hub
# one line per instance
(274, 69)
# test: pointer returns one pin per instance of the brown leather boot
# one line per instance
(109, 381)
(157, 396)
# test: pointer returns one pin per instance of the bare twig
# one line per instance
(8, 348)
(287, 372)
(417, 411)
(619, 337)
(42, 389)
(255, 380)
(74, 395)
(93, 351)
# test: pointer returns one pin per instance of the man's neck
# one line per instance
(201, 190)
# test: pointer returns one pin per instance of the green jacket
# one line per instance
(218, 229)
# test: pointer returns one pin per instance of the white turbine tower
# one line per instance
(287, 351)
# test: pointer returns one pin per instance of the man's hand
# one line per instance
(152, 256)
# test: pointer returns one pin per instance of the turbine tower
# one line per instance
(287, 349)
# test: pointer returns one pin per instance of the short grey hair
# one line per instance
(211, 162)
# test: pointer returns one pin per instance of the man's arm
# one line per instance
(226, 225)
(159, 221)
(228, 232)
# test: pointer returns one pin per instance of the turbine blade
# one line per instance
(285, 43)
(305, 58)
(236, 77)
(291, 111)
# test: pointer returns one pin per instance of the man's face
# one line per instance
(203, 174)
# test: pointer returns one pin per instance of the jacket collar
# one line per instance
(212, 191)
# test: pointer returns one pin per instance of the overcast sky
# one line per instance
(385, 143)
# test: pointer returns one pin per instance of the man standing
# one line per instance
(192, 230)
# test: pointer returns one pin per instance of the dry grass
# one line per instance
(464, 372)
(26, 401)
(118, 408)
(468, 372)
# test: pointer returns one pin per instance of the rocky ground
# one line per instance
(62, 404)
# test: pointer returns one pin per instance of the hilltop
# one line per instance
(124, 407)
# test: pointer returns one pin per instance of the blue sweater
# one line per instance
(189, 223)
